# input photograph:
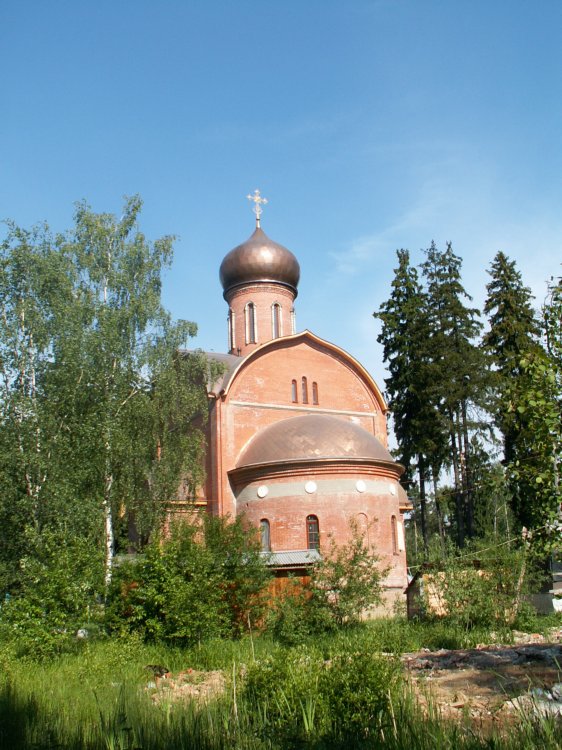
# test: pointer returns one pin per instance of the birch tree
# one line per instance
(101, 416)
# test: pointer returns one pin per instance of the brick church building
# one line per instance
(297, 435)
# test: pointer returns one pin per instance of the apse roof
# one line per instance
(312, 437)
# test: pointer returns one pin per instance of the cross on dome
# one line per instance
(258, 201)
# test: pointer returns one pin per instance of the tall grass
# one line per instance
(331, 693)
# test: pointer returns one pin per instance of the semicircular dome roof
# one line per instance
(259, 259)
(314, 437)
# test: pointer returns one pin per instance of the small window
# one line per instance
(275, 321)
(231, 337)
(394, 535)
(312, 532)
(294, 392)
(363, 528)
(265, 535)
(293, 321)
(304, 391)
(315, 393)
(251, 333)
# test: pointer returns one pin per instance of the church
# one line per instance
(297, 433)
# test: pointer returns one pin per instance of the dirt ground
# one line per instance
(491, 682)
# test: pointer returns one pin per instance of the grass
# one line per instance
(330, 692)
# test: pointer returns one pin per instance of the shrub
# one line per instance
(346, 582)
(483, 588)
(200, 582)
(296, 694)
(57, 594)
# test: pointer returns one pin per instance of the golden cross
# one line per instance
(258, 201)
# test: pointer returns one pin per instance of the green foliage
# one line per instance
(100, 416)
(346, 582)
(536, 411)
(59, 585)
(483, 588)
(290, 618)
(406, 336)
(203, 581)
(343, 585)
(298, 695)
(513, 334)
(337, 692)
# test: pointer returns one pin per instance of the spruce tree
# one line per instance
(513, 335)
(405, 336)
(457, 369)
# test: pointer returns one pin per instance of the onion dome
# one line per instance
(313, 438)
(259, 259)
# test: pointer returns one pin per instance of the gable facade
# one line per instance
(297, 434)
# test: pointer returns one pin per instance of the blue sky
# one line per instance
(369, 126)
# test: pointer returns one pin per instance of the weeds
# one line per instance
(328, 693)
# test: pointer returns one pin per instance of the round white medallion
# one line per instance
(310, 487)
(360, 485)
(262, 490)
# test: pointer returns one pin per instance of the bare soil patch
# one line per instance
(490, 683)
(191, 684)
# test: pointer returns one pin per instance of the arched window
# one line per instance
(251, 327)
(363, 528)
(315, 393)
(293, 321)
(265, 535)
(275, 321)
(312, 532)
(294, 392)
(304, 391)
(394, 535)
(231, 336)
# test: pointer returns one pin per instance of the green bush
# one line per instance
(359, 689)
(343, 584)
(201, 582)
(297, 694)
(484, 587)
(57, 594)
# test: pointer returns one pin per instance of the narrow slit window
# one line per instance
(304, 385)
(251, 334)
(294, 392)
(265, 533)
(315, 393)
(312, 532)
(275, 321)
(394, 535)
(231, 337)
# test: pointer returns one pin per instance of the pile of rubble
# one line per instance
(492, 683)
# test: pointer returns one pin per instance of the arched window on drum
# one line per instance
(251, 324)
(275, 320)
(312, 532)
(265, 533)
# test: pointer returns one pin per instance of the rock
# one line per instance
(158, 670)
